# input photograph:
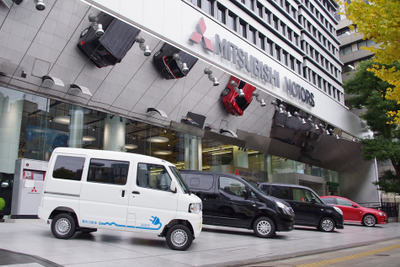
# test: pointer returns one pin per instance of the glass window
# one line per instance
(344, 202)
(329, 200)
(231, 186)
(243, 28)
(108, 171)
(68, 167)
(153, 176)
(196, 2)
(221, 15)
(281, 192)
(209, 7)
(253, 34)
(203, 182)
(232, 21)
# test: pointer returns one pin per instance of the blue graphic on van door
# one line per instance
(155, 224)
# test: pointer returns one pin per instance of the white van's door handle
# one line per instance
(136, 192)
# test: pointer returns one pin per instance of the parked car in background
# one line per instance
(353, 212)
(229, 200)
(308, 208)
(233, 102)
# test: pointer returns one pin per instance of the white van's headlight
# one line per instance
(338, 210)
(195, 207)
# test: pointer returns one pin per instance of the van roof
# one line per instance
(287, 185)
(109, 154)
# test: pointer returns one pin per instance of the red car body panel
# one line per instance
(354, 212)
(233, 103)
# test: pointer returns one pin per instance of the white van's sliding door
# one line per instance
(151, 203)
(104, 197)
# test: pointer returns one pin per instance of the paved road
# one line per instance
(385, 253)
(214, 247)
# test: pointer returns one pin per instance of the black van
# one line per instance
(111, 47)
(173, 63)
(309, 209)
(229, 200)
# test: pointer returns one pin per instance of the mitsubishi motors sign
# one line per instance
(243, 60)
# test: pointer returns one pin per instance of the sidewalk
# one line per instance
(30, 243)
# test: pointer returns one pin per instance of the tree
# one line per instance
(379, 20)
(367, 92)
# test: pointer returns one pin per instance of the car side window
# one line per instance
(343, 202)
(68, 167)
(281, 192)
(153, 176)
(231, 186)
(200, 182)
(108, 171)
(330, 200)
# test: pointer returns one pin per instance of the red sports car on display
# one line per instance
(236, 101)
(352, 212)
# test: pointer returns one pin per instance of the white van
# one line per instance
(88, 189)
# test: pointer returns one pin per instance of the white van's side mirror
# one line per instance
(172, 187)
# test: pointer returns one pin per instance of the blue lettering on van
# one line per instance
(89, 222)
(155, 224)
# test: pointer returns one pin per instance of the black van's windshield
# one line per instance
(181, 181)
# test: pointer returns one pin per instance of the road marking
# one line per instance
(347, 258)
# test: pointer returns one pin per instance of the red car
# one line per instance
(235, 103)
(352, 212)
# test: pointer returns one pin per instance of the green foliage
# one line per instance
(2, 203)
(388, 182)
(368, 92)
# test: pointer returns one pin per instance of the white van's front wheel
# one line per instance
(179, 237)
(63, 226)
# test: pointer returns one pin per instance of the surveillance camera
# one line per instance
(215, 82)
(40, 5)
(185, 68)
(147, 52)
(99, 30)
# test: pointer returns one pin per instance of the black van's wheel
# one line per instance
(179, 237)
(326, 224)
(369, 220)
(63, 226)
(264, 227)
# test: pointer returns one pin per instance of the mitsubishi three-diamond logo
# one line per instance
(198, 36)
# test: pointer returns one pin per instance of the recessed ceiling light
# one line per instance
(162, 152)
(130, 146)
(62, 119)
(158, 139)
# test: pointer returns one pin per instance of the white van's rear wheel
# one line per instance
(179, 237)
(63, 226)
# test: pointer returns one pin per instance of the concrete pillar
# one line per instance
(10, 128)
(114, 133)
(76, 127)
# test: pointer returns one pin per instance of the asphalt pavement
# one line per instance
(29, 243)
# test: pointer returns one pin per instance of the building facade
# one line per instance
(79, 74)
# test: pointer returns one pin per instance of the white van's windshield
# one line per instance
(179, 178)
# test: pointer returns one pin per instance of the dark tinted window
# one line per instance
(108, 171)
(329, 200)
(281, 192)
(199, 182)
(68, 167)
(153, 176)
